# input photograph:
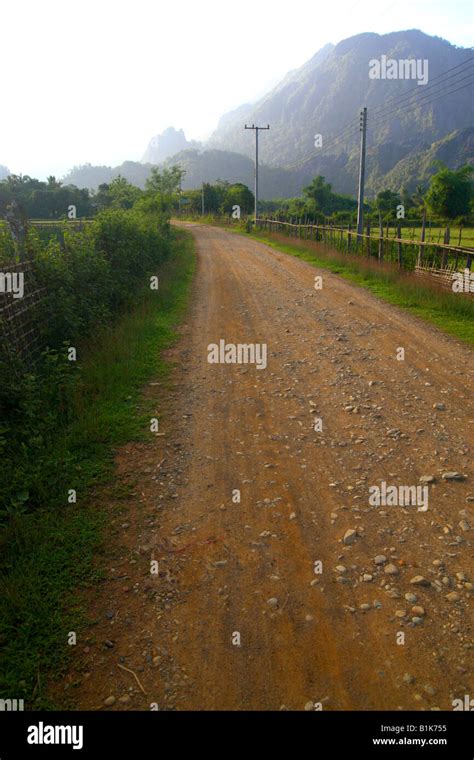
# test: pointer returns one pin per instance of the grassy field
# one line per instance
(436, 234)
(453, 313)
(50, 552)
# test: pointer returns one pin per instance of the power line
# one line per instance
(333, 139)
(380, 112)
(416, 89)
(422, 97)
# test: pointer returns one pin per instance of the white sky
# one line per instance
(94, 80)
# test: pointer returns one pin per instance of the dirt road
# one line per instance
(240, 616)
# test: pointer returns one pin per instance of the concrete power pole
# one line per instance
(256, 129)
(360, 202)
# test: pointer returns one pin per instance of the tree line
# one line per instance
(448, 197)
(51, 199)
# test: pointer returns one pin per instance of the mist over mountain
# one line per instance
(88, 176)
(170, 142)
(4, 172)
(405, 134)
(213, 165)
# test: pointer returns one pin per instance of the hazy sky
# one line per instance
(93, 81)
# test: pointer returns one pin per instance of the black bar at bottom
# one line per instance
(220, 734)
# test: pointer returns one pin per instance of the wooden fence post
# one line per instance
(380, 251)
(447, 237)
(422, 239)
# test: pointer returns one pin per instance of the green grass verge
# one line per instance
(453, 313)
(50, 553)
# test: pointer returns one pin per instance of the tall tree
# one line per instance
(449, 194)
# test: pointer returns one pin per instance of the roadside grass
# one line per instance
(451, 312)
(48, 555)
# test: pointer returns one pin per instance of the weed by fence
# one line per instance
(411, 255)
(72, 290)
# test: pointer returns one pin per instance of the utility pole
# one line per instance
(360, 202)
(256, 129)
(202, 200)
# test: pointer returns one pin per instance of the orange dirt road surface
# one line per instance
(303, 595)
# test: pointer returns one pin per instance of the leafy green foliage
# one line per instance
(164, 185)
(89, 280)
(220, 198)
(44, 200)
(77, 418)
(386, 204)
(120, 193)
(449, 195)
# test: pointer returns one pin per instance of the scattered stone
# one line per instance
(309, 706)
(349, 537)
(464, 525)
(364, 606)
(408, 678)
(425, 479)
(453, 476)
(391, 569)
(418, 611)
(109, 644)
(417, 620)
(125, 699)
(292, 517)
(453, 596)
(419, 580)
(220, 563)
(441, 407)
(400, 613)
(367, 577)
(109, 701)
(380, 559)
(341, 569)
(273, 602)
(411, 598)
